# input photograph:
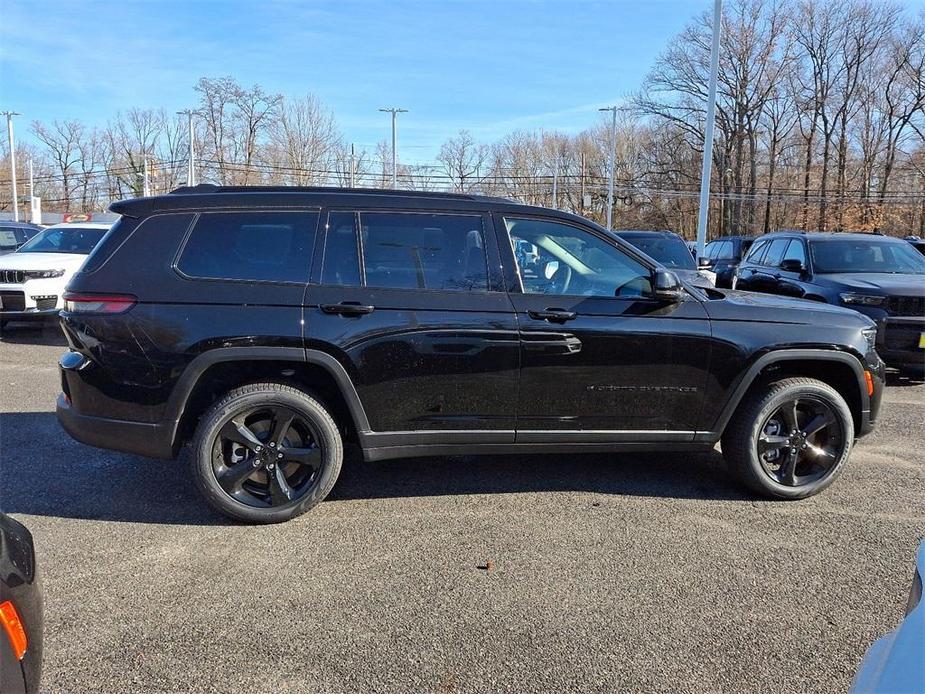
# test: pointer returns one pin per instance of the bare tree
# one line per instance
(463, 160)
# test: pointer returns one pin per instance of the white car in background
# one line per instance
(32, 279)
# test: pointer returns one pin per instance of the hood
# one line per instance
(42, 261)
(888, 283)
(772, 308)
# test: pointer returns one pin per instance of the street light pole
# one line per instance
(9, 131)
(707, 167)
(191, 170)
(613, 163)
(394, 112)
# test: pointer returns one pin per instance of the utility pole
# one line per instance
(613, 163)
(191, 164)
(353, 169)
(394, 112)
(145, 189)
(582, 178)
(31, 181)
(555, 182)
(707, 167)
(9, 131)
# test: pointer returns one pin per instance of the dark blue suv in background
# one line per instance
(879, 276)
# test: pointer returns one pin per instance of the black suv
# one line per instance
(726, 253)
(879, 276)
(265, 326)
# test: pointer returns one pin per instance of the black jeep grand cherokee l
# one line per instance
(263, 326)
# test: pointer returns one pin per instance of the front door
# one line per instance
(414, 306)
(602, 360)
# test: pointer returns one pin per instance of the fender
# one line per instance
(777, 356)
(193, 372)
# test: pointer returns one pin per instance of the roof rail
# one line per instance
(211, 188)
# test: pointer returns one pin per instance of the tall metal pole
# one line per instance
(707, 167)
(191, 164)
(613, 163)
(352, 166)
(555, 183)
(145, 189)
(9, 131)
(394, 112)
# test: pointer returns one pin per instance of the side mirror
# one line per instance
(704, 263)
(792, 265)
(666, 286)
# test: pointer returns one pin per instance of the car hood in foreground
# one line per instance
(42, 261)
(771, 308)
(889, 283)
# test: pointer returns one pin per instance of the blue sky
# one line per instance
(490, 67)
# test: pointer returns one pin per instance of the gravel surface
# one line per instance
(554, 573)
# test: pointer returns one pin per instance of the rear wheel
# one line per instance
(790, 439)
(266, 453)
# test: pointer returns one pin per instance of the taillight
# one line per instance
(98, 303)
(14, 629)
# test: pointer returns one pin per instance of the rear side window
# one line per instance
(404, 250)
(255, 246)
(775, 252)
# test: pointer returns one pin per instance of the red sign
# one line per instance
(77, 217)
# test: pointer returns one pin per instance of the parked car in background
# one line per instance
(20, 610)
(896, 662)
(15, 234)
(669, 249)
(264, 326)
(726, 253)
(918, 243)
(880, 276)
(32, 280)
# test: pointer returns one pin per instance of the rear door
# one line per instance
(602, 360)
(412, 304)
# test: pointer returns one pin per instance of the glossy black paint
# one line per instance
(725, 264)
(425, 370)
(20, 584)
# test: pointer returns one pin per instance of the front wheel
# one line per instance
(266, 453)
(790, 439)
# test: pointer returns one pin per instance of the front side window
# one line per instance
(8, 239)
(795, 251)
(403, 250)
(256, 246)
(726, 251)
(670, 251)
(573, 261)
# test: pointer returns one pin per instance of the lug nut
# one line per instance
(280, 456)
(256, 463)
(272, 445)
(258, 448)
(271, 466)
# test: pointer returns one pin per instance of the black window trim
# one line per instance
(621, 245)
(189, 232)
(358, 211)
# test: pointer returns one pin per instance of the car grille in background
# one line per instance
(907, 306)
(46, 304)
(12, 276)
(13, 301)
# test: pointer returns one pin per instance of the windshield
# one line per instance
(8, 240)
(861, 255)
(669, 251)
(80, 240)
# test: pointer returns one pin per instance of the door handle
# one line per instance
(553, 315)
(348, 308)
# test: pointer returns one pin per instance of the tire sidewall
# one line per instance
(242, 399)
(768, 406)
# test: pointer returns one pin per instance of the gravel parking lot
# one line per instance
(557, 573)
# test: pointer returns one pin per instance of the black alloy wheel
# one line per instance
(266, 453)
(800, 442)
(267, 456)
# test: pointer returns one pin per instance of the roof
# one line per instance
(833, 235)
(211, 189)
(19, 225)
(644, 232)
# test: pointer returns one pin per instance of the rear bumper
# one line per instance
(139, 438)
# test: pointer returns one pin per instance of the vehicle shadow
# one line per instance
(46, 333)
(45, 473)
(896, 379)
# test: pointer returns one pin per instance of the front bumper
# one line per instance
(898, 340)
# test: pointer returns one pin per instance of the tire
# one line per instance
(261, 409)
(761, 421)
